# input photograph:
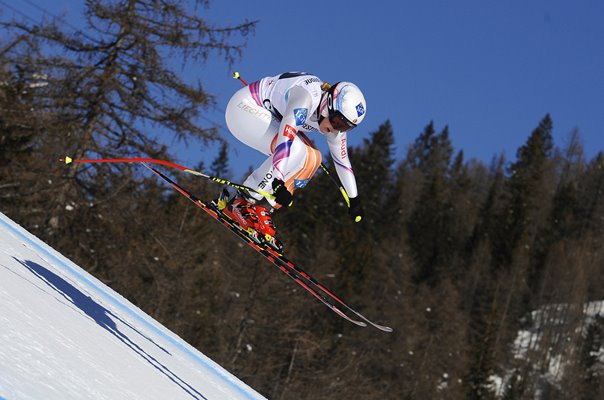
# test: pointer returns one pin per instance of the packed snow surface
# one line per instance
(65, 335)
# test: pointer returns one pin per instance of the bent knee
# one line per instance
(312, 161)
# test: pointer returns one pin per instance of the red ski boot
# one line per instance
(254, 219)
(266, 228)
(242, 211)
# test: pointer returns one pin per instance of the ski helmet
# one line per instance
(346, 106)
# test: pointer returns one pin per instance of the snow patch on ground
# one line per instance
(543, 322)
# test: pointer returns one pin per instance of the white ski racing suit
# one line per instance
(272, 115)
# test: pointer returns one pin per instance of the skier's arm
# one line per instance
(339, 153)
(299, 102)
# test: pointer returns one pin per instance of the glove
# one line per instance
(356, 209)
(282, 195)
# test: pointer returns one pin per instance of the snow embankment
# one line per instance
(65, 335)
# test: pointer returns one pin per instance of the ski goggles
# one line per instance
(340, 122)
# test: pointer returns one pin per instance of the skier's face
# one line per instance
(326, 127)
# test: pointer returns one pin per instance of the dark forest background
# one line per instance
(457, 256)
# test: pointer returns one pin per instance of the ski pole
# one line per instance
(236, 75)
(342, 190)
(69, 160)
(326, 171)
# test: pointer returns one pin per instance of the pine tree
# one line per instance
(109, 85)
(372, 163)
(562, 224)
(428, 227)
(524, 189)
(590, 197)
(220, 165)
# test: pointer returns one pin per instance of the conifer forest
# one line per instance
(487, 272)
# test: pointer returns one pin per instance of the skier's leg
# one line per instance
(303, 163)
(250, 123)
(301, 175)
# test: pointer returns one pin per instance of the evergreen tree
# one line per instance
(220, 165)
(429, 232)
(563, 219)
(524, 189)
(430, 153)
(591, 195)
(372, 163)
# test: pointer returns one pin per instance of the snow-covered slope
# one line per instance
(65, 335)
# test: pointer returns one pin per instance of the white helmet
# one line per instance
(345, 105)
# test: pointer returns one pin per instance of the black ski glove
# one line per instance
(356, 209)
(282, 195)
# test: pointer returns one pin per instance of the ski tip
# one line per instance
(66, 159)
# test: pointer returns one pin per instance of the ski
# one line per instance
(323, 289)
(296, 273)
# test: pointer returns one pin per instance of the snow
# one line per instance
(531, 339)
(65, 335)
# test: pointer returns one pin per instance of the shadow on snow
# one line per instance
(106, 320)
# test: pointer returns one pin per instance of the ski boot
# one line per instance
(253, 218)
(267, 228)
(242, 212)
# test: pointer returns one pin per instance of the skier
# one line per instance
(272, 115)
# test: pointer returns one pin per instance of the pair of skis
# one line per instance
(296, 273)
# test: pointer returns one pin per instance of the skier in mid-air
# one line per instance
(271, 116)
